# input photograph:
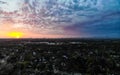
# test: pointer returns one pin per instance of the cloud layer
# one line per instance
(73, 18)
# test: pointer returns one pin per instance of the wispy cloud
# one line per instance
(65, 17)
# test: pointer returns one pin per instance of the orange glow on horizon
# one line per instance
(15, 34)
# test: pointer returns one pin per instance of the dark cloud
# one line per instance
(106, 25)
(2, 2)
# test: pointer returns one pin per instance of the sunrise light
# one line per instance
(15, 34)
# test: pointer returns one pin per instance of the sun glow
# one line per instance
(15, 34)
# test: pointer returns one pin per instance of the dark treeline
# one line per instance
(59, 57)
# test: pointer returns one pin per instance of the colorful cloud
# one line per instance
(62, 18)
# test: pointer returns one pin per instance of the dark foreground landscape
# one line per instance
(59, 57)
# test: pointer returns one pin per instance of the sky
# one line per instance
(60, 18)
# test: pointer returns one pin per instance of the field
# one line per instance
(59, 57)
